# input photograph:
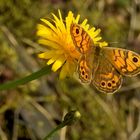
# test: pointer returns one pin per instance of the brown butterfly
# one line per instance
(103, 67)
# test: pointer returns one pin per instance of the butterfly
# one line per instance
(103, 67)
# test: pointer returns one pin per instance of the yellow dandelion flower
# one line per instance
(60, 50)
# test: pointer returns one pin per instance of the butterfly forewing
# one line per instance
(125, 61)
(81, 39)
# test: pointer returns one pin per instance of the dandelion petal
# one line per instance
(64, 71)
(53, 59)
(58, 63)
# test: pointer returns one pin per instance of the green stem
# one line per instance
(54, 130)
(32, 76)
(69, 119)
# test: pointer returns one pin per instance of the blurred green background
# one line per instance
(31, 111)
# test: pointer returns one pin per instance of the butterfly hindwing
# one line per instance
(106, 78)
(125, 61)
(84, 69)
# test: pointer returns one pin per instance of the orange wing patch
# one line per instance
(119, 59)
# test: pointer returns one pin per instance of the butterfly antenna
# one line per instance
(116, 43)
(113, 42)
